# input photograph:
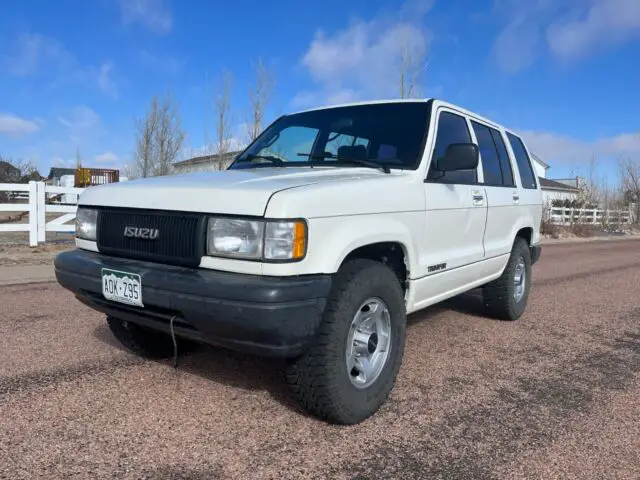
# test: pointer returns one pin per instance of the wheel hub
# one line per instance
(372, 344)
(368, 343)
(519, 280)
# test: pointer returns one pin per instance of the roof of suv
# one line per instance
(440, 103)
(367, 102)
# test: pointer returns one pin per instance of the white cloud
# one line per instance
(363, 60)
(165, 63)
(568, 29)
(80, 118)
(14, 126)
(552, 147)
(34, 54)
(107, 157)
(105, 82)
(58, 161)
(415, 9)
(68, 132)
(153, 14)
(606, 23)
(518, 43)
(83, 130)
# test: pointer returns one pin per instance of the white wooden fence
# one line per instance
(567, 216)
(38, 199)
(42, 199)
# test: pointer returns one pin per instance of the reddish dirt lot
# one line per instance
(553, 395)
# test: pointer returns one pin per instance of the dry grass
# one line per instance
(22, 254)
(582, 230)
(549, 229)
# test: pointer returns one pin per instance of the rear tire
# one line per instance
(141, 341)
(350, 370)
(506, 297)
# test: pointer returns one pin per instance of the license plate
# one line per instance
(122, 287)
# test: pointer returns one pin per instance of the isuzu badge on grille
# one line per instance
(144, 233)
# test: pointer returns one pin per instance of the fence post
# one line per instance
(33, 214)
(42, 219)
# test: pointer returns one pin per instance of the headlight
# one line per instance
(86, 223)
(233, 237)
(271, 240)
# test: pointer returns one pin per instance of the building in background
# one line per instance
(556, 190)
(205, 163)
(56, 173)
(9, 173)
(540, 167)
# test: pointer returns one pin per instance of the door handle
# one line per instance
(478, 198)
(516, 198)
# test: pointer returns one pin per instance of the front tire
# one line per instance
(506, 297)
(350, 370)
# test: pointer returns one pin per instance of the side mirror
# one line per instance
(459, 156)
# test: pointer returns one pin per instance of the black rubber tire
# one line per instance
(141, 341)
(498, 296)
(319, 379)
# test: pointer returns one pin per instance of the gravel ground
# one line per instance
(553, 395)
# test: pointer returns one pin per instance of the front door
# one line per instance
(456, 205)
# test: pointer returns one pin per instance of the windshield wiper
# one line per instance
(270, 158)
(356, 161)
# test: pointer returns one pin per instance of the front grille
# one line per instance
(180, 240)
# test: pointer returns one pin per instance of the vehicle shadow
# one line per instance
(469, 303)
(226, 367)
(254, 373)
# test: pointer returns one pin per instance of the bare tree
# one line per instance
(222, 106)
(169, 136)
(259, 95)
(17, 171)
(145, 142)
(413, 62)
(128, 171)
(630, 182)
(159, 138)
(78, 159)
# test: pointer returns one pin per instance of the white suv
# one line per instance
(316, 243)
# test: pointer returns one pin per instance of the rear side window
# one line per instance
(527, 177)
(505, 161)
(490, 161)
(452, 128)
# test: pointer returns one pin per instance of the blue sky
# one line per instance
(565, 73)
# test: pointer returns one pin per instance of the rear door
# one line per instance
(499, 184)
(456, 210)
(530, 195)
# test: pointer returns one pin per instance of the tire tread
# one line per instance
(307, 377)
(497, 294)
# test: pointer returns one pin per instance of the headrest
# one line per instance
(358, 152)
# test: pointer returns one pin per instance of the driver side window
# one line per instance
(452, 128)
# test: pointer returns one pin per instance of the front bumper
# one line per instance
(272, 316)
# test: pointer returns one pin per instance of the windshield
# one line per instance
(384, 134)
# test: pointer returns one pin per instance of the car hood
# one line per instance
(238, 192)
